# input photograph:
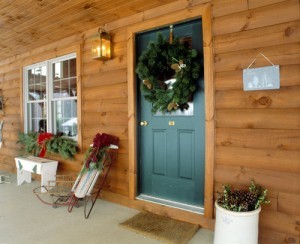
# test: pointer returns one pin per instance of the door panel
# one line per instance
(159, 152)
(186, 154)
(171, 146)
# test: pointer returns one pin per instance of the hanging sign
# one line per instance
(264, 78)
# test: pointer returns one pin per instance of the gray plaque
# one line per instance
(264, 78)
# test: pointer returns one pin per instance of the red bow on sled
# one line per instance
(42, 138)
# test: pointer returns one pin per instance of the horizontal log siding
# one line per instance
(104, 106)
(257, 132)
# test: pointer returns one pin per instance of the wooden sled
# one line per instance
(71, 191)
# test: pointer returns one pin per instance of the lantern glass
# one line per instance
(101, 46)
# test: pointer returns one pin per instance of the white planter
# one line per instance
(236, 227)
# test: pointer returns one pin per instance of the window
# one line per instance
(51, 96)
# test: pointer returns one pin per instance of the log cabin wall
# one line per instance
(257, 132)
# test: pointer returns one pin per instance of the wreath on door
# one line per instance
(168, 71)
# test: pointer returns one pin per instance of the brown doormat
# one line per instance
(161, 228)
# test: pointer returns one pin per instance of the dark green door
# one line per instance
(171, 146)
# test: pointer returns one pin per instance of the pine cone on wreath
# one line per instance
(148, 84)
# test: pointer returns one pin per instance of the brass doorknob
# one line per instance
(144, 123)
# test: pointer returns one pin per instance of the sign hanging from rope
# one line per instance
(263, 78)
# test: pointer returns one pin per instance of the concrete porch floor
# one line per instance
(24, 219)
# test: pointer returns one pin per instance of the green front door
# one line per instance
(171, 146)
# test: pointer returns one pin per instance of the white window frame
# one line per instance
(51, 127)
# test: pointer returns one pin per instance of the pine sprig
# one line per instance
(29, 143)
(97, 162)
(63, 146)
(97, 156)
(243, 200)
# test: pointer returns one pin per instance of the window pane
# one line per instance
(36, 117)
(64, 79)
(65, 117)
(37, 83)
(72, 63)
(64, 88)
(51, 99)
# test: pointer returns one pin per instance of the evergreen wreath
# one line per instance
(162, 61)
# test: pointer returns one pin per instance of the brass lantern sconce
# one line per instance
(101, 46)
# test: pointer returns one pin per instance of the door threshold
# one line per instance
(182, 206)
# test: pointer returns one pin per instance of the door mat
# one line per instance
(161, 228)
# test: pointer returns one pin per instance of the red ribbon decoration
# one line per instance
(42, 138)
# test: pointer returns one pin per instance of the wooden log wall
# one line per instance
(257, 132)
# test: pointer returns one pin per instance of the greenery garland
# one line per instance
(97, 155)
(63, 146)
(57, 144)
(29, 143)
(162, 61)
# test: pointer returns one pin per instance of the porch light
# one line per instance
(101, 46)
